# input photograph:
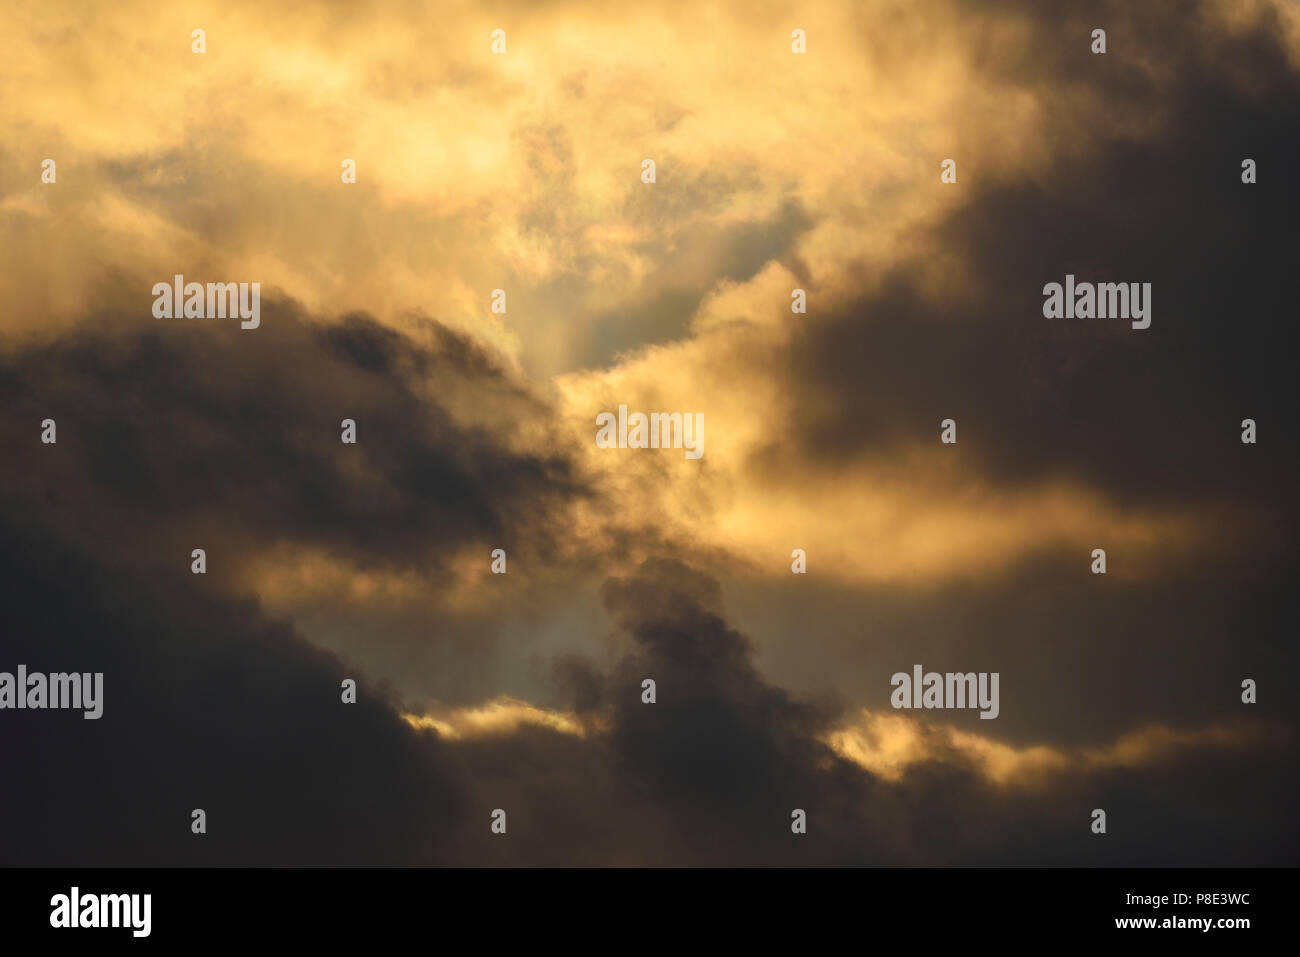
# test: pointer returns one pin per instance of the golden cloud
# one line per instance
(889, 745)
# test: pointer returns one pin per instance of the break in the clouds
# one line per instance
(516, 682)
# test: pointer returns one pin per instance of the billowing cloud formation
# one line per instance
(207, 705)
(888, 744)
(823, 430)
(177, 437)
(238, 437)
(475, 429)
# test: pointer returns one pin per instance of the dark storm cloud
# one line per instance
(209, 705)
(206, 705)
(1083, 658)
(188, 432)
(1147, 188)
(1150, 418)
(183, 434)
(194, 431)
(710, 773)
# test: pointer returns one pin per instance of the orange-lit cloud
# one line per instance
(889, 745)
(501, 716)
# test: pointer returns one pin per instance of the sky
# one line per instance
(775, 171)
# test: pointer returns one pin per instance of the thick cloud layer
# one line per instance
(168, 429)
(208, 705)
(1148, 416)
(523, 691)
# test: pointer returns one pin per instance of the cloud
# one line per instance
(208, 704)
(196, 434)
(822, 431)
(889, 744)
(776, 172)
(204, 431)
(501, 716)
